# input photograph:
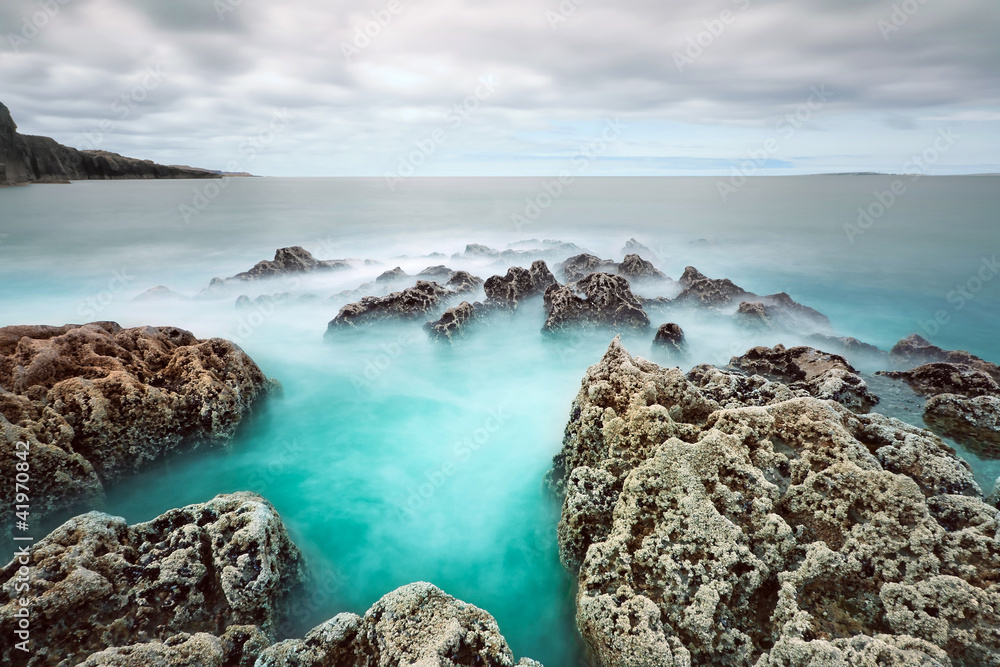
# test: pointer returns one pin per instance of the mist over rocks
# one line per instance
(778, 530)
(408, 304)
(575, 268)
(97, 403)
(201, 583)
(418, 624)
(597, 299)
(288, 261)
(518, 284)
(670, 337)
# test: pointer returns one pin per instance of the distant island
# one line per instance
(29, 159)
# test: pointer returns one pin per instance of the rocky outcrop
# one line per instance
(417, 624)
(944, 378)
(158, 293)
(395, 275)
(290, 261)
(974, 422)
(31, 159)
(634, 247)
(789, 532)
(411, 303)
(635, 267)
(822, 375)
(455, 321)
(96, 403)
(915, 350)
(711, 293)
(690, 276)
(197, 585)
(463, 282)
(598, 299)
(670, 337)
(575, 268)
(847, 345)
(519, 284)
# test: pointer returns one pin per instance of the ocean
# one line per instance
(393, 458)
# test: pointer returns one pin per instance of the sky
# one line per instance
(515, 88)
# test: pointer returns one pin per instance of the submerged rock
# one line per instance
(822, 375)
(781, 533)
(597, 299)
(519, 284)
(408, 304)
(293, 260)
(670, 336)
(417, 624)
(97, 402)
(197, 585)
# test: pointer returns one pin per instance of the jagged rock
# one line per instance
(158, 293)
(973, 422)
(393, 275)
(690, 276)
(791, 533)
(288, 261)
(408, 304)
(670, 336)
(708, 292)
(440, 271)
(755, 315)
(239, 646)
(30, 159)
(479, 250)
(636, 268)
(207, 570)
(417, 624)
(596, 299)
(847, 345)
(633, 247)
(824, 376)
(454, 321)
(575, 268)
(508, 291)
(788, 314)
(947, 378)
(916, 351)
(463, 282)
(97, 403)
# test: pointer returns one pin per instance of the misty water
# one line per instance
(395, 459)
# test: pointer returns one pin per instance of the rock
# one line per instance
(690, 276)
(97, 403)
(519, 284)
(916, 351)
(596, 299)
(788, 314)
(670, 336)
(636, 268)
(946, 378)
(31, 159)
(478, 250)
(197, 585)
(789, 533)
(755, 315)
(822, 375)
(463, 282)
(415, 625)
(455, 321)
(575, 268)
(847, 345)
(973, 422)
(290, 261)
(633, 247)
(158, 293)
(409, 304)
(392, 275)
(708, 292)
(440, 271)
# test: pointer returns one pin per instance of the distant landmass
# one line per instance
(29, 159)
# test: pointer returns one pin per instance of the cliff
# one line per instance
(30, 159)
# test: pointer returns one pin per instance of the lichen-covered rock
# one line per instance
(790, 532)
(596, 299)
(293, 260)
(96, 403)
(415, 625)
(408, 304)
(973, 422)
(463, 282)
(519, 284)
(690, 276)
(575, 268)
(635, 267)
(710, 292)
(670, 337)
(822, 375)
(207, 570)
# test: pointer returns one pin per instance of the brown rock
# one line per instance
(597, 299)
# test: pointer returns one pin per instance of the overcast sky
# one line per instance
(296, 88)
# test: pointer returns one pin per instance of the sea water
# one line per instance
(393, 458)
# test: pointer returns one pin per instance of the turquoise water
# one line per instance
(393, 459)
